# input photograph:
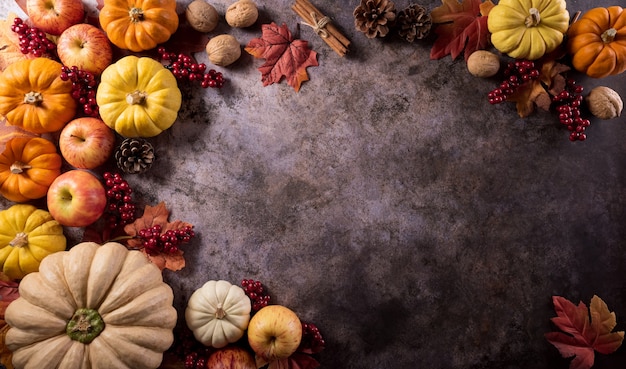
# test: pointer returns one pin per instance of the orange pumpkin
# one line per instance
(34, 97)
(28, 165)
(138, 25)
(597, 42)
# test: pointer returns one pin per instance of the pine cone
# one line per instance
(373, 17)
(414, 23)
(134, 155)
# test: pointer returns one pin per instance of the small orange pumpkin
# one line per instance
(34, 97)
(28, 165)
(597, 42)
(138, 25)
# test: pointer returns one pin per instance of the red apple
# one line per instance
(86, 47)
(274, 332)
(231, 357)
(55, 16)
(76, 198)
(86, 143)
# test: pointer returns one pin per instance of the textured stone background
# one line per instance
(392, 205)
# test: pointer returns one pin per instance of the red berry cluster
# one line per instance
(517, 73)
(194, 360)
(120, 208)
(567, 104)
(312, 340)
(32, 40)
(257, 294)
(155, 242)
(184, 68)
(84, 86)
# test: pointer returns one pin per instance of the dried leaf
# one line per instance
(539, 92)
(156, 215)
(284, 56)
(22, 5)
(5, 354)
(584, 335)
(8, 292)
(7, 131)
(10, 44)
(296, 361)
(460, 27)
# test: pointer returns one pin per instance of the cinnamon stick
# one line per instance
(322, 26)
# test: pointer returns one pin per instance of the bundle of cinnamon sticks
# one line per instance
(322, 26)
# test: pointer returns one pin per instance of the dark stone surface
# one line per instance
(389, 203)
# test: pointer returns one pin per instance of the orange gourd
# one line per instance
(138, 25)
(597, 42)
(28, 165)
(34, 97)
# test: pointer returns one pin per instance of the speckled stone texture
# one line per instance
(389, 203)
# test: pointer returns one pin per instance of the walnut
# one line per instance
(241, 14)
(483, 63)
(202, 16)
(604, 103)
(223, 50)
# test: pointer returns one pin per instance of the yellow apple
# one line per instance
(274, 332)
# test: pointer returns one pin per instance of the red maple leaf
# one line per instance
(584, 335)
(460, 26)
(284, 56)
(8, 292)
(297, 360)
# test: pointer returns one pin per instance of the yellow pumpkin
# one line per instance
(138, 97)
(28, 166)
(528, 29)
(33, 96)
(597, 42)
(27, 235)
(138, 25)
(92, 307)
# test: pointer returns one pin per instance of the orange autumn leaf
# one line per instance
(461, 27)
(584, 331)
(10, 44)
(7, 132)
(284, 56)
(156, 215)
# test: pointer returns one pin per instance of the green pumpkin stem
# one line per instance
(20, 240)
(85, 325)
(608, 35)
(533, 19)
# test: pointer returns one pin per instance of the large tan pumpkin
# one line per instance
(92, 307)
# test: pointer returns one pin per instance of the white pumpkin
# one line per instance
(218, 313)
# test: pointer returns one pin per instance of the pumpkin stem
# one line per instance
(18, 167)
(136, 15)
(20, 240)
(220, 313)
(85, 325)
(608, 35)
(33, 98)
(136, 97)
(533, 19)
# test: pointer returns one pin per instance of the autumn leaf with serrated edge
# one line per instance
(461, 27)
(156, 215)
(284, 56)
(539, 92)
(584, 335)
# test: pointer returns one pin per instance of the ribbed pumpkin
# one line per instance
(28, 165)
(138, 25)
(597, 42)
(92, 307)
(528, 29)
(33, 96)
(138, 97)
(27, 235)
(218, 313)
